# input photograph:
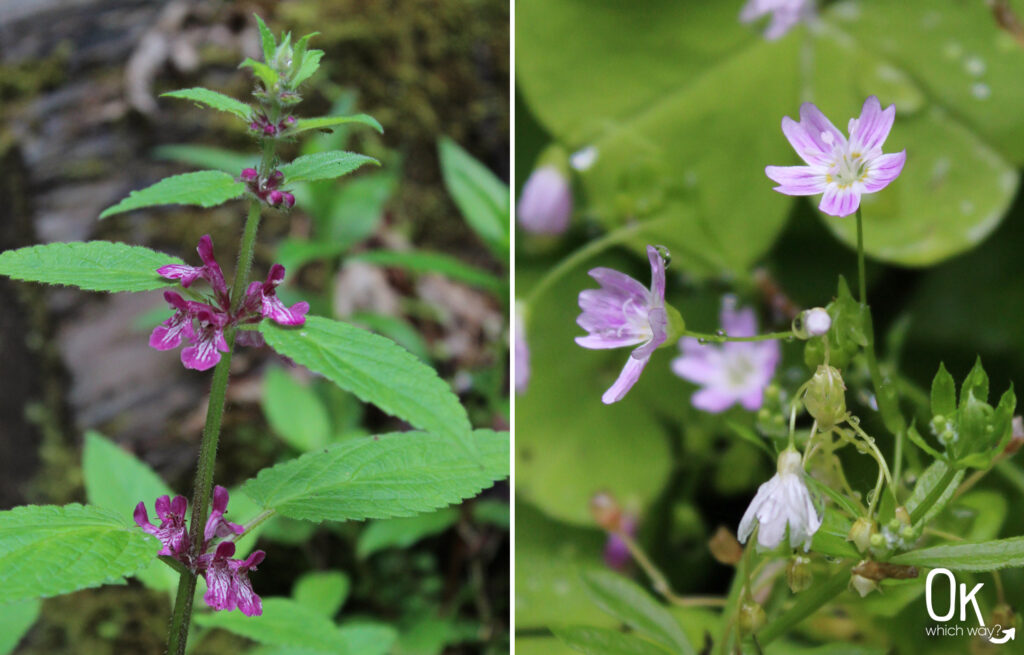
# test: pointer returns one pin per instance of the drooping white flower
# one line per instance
(782, 501)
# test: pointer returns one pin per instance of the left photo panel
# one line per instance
(254, 264)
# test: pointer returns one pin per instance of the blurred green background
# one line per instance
(683, 105)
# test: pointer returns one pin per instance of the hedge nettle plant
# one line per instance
(49, 550)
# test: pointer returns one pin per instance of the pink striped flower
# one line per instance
(624, 313)
(840, 169)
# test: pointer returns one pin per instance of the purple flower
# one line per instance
(521, 350)
(545, 204)
(624, 313)
(840, 169)
(786, 14)
(209, 271)
(172, 532)
(169, 334)
(262, 297)
(733, 372)
(216, 524)
(227, 580)
(208, 340)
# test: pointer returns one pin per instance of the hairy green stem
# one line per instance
(181, 618)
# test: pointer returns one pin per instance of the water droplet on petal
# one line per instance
(665, 254)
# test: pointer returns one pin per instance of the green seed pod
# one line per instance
(751, 618)
(825, 397)
(798, 573)
(861, 533)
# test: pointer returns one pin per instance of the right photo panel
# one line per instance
(769, 317)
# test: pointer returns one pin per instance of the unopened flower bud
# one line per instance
(274, 179)
(825, 397)
(798, 573)
(249, 174)
(1017, 438)
(863, 585)
(289, 200)
(877, 540)
(274, 198)
(545, 205)
(902, 515)
(751, 618)
(811, 323)
(861, 532)
(269, 130)
(606, 512)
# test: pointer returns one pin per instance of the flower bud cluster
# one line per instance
(266, 188)
(266, 127)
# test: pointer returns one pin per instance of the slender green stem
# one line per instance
(181, 618)
(724, 338)
(933, 496)
(596, 246)
(659, 581)
(861, 278)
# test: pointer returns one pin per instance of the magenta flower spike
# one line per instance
(785, 15)
(216, 524)
(840, 169)
(732, 372)
(172, 533)
(545, 205)
(227, 580)
(624, 313)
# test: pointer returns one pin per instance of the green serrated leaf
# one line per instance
(15, 620)
(402, 533)
(976, 382)
(324, 166)
(202, 188)
(267, 41)
(294, 411)
(285, 622)
(421, 261)
(602, 641)
(482, 198)
(329, 122)
(376, 370)
(267, 75)
(943, 393)
(310, 64)
(399, 474)
(89, 265)
(299, 53)
(47, 550)
(324, 592)
(629, 603)
(214, 100)
(961, 556)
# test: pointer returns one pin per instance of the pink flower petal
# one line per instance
(797, 180)
(819, 128)
(713, 400)
(627, 378)
(883, 170)
(839, 202)
(657, 274)
(872, 128)
(619, 284)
